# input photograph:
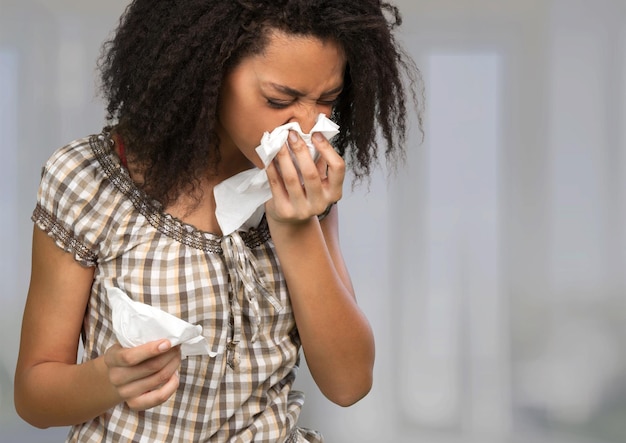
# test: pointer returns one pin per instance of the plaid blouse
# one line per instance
(232, 286)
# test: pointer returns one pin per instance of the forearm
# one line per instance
(336, 336)
(60, 394)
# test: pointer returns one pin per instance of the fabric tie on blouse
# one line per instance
(136, 323)
(248, 281)
(240, 198)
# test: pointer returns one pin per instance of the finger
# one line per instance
(150, 382)
(321, 163)
(328, 154)
(275, 181)
(125, 357)
(155, 397)
(125, 375)
(309, 171)
(302, 158)
(322, 168)
(289, 172)
(334, 164)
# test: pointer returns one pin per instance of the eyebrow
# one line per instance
(295, 93)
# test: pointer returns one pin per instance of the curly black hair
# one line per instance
(163, 69)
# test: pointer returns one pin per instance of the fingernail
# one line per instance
(318, 136)
(164, 346)
(293, 136)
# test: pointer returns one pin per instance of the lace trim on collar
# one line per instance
(173, 227)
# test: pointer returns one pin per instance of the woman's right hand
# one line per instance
(144, 376)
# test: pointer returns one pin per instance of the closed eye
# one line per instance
(282, 104)
(278, 104)
(327, 102)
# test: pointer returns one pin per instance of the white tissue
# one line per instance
(240, 197)
(136, 323)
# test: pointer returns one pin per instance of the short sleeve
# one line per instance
(70, 184)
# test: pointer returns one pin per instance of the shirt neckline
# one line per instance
(102, 146)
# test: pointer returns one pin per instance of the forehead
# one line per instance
(299, 61)
(276, 39)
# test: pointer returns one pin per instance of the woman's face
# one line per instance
(294, 80)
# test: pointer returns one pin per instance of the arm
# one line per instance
(50, 388)
(336, 337)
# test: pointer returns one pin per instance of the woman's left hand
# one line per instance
(321, 293)
(296, 197)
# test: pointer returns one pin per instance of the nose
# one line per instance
(306, 116)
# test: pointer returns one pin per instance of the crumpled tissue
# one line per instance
(136, 323)
(241, 197)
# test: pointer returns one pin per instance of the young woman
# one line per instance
(191, 88)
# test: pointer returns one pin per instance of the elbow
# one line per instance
(28, 416)
(350, 393)
(24, 409)
(350, 399)
(34, 422)
(33, 419)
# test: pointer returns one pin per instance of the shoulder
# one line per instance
(73, 192)
(76, 170)
(74, 159)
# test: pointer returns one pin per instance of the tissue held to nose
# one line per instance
(240, 197)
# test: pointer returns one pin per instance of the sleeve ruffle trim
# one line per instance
(62, 237)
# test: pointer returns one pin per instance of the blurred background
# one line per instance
(491, 265)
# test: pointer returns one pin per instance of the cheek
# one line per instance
(245, 120)
(245, 132)
(237, 121)
(252, 123)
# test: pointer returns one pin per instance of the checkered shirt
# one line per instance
(232, 286)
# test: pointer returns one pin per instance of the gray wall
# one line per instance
(491, 266)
